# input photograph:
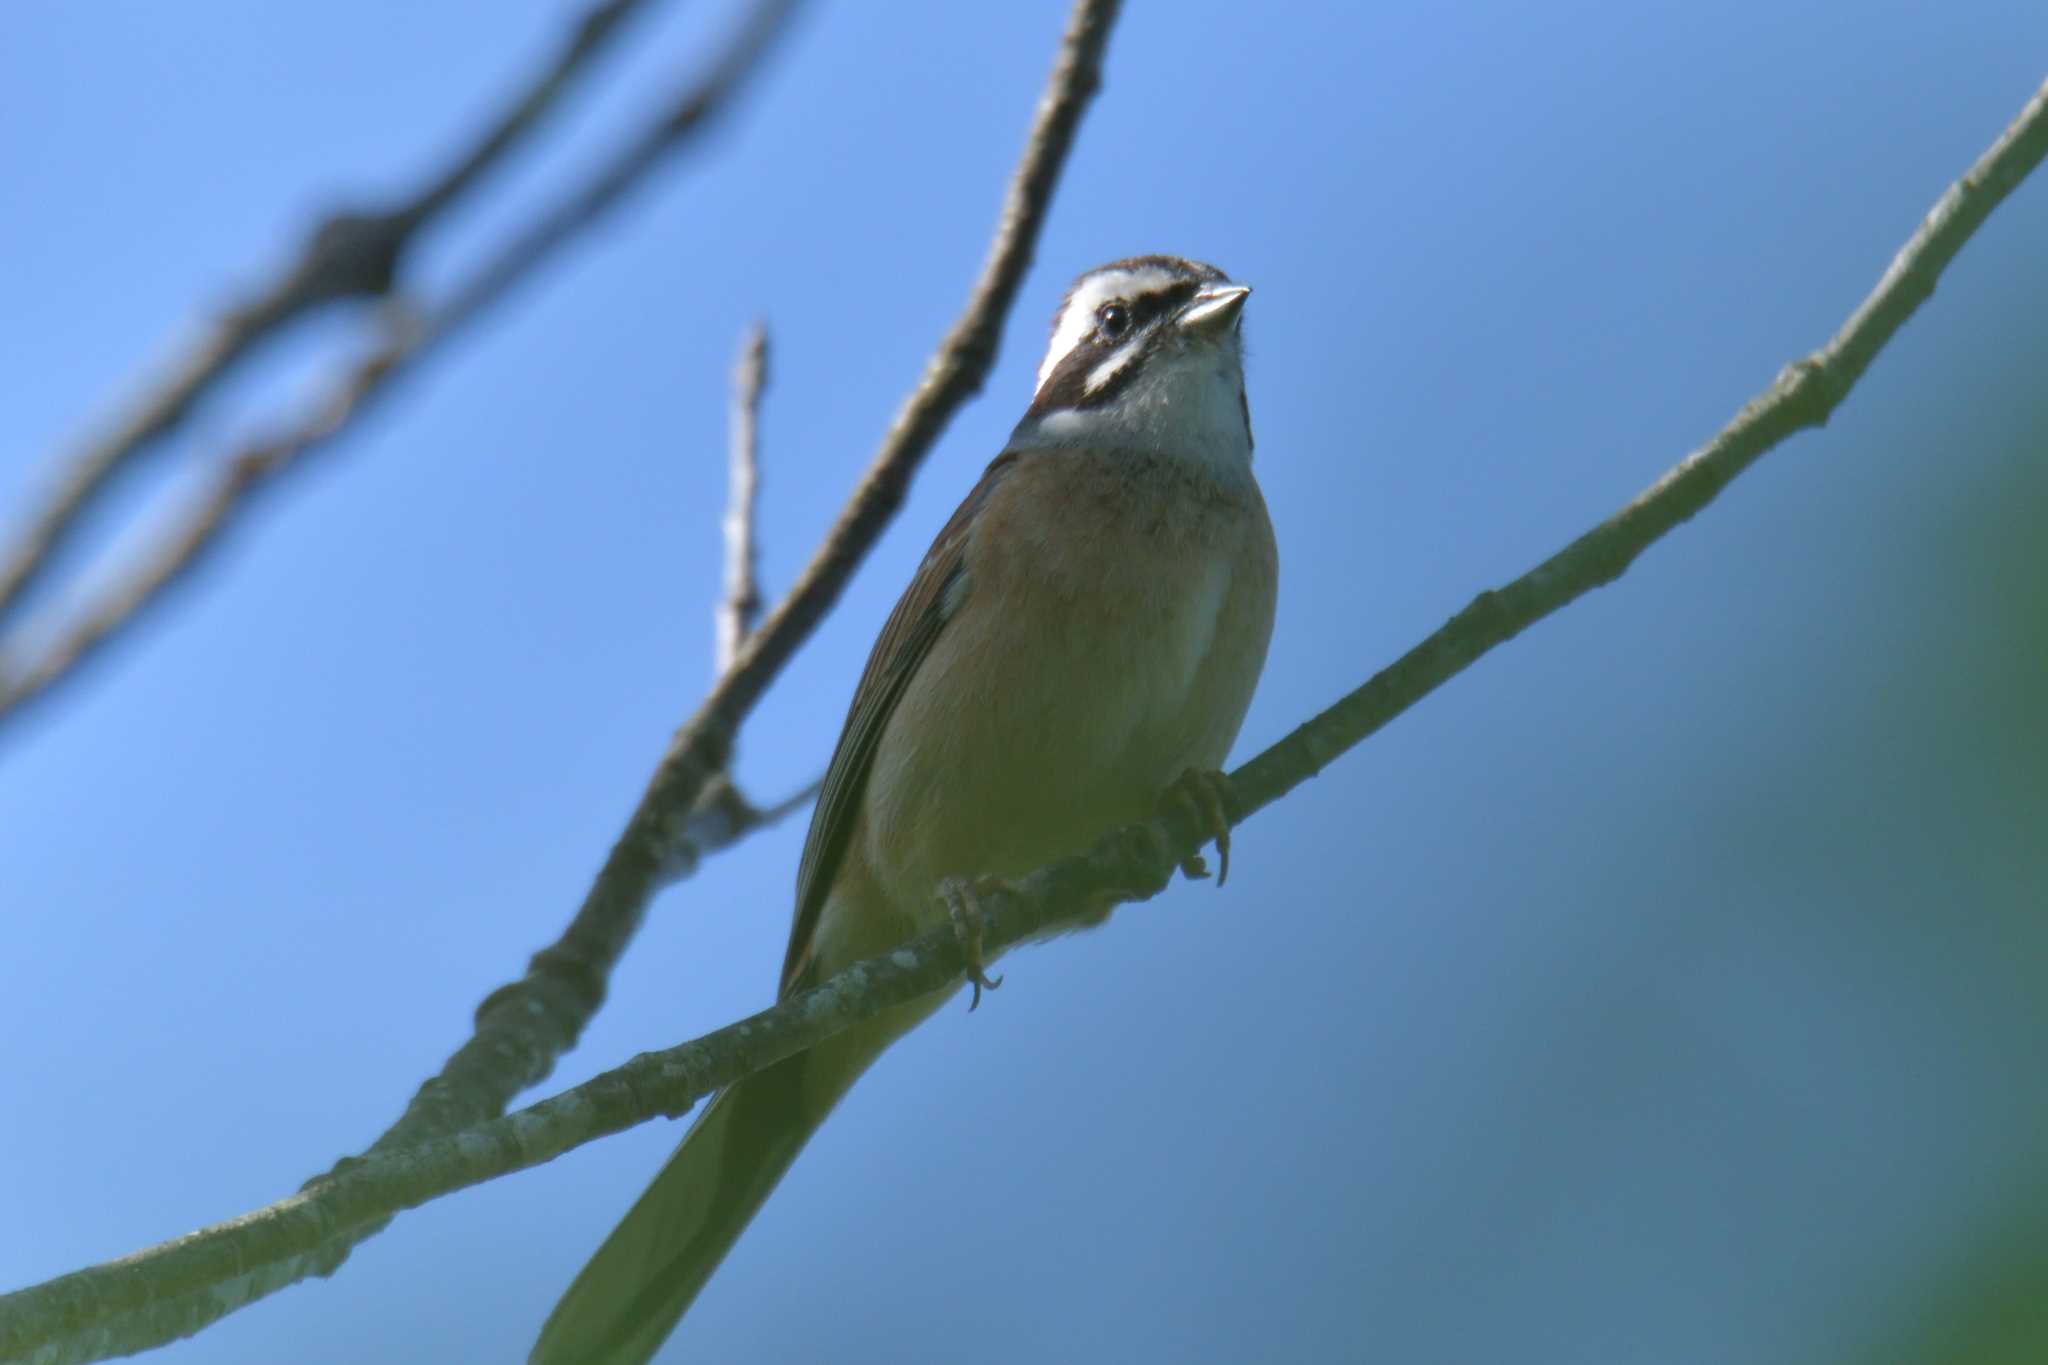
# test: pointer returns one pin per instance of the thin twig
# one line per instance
(794, 802)
(349, 255)
(588, 37)
(741, 605)
(720, 819)
(522, 1027)
(409, 340)
(681, 124)
(1132, 863)
(135, 1303)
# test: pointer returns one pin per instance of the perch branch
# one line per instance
(1132, 863)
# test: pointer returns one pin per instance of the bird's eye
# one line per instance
(1115, 320)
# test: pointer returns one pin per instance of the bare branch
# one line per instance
(695, 113)
(586, 39)
(521, 1028)
(348, 255)
(233, 492)
(741, 606)
(1129, 864)
(1803, 395)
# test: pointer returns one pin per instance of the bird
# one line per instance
(1079, 646)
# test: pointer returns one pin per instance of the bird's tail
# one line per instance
(630, 1296)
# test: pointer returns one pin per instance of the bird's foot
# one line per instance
(962, 899)
(1205, 795)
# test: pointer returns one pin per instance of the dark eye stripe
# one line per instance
(1194, 273)
(1067, 386)
(1149, 308)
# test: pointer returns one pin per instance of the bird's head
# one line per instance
(1146, 354)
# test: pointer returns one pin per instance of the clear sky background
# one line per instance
(1666, 988)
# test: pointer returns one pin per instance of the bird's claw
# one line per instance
(962, 900)
(1205, 794)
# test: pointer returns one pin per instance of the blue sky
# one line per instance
(1658, 990)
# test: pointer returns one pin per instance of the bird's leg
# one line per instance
(962, 899)
(1205, 795)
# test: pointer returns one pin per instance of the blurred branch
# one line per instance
(349, 255)
(1129, 864)
(156, 1296)
(1985, 1301)
(741, 605)
(408, 341)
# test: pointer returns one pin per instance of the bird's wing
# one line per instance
(921, 613)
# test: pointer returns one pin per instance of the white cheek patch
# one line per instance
(1122, 356)
(1063, 427)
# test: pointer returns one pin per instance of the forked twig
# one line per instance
(349, 255)
(409, 339)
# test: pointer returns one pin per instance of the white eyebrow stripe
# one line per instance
(1077, 319)
(1150, 280)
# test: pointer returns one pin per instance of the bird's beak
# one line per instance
(1214, 309)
